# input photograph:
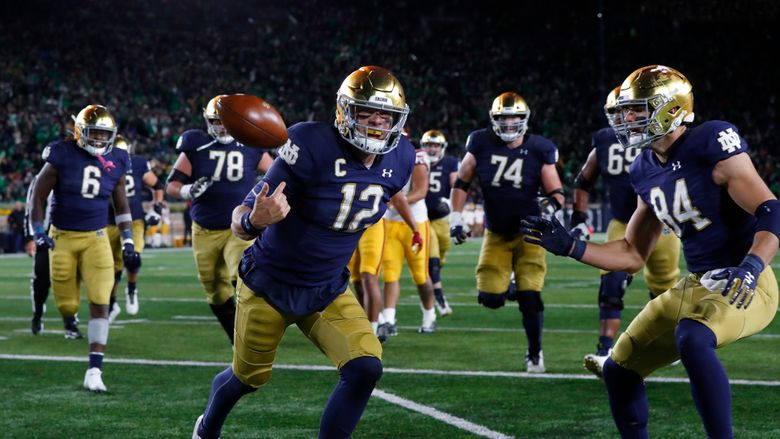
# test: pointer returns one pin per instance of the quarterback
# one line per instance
(700, 182)
(328, 185)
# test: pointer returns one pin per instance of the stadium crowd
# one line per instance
(156, 64)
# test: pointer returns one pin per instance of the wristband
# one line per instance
(127, 236)
(124, 218)
(456, 219)
(184, 192)
(247, 225)
(38, 228)
(578, 250)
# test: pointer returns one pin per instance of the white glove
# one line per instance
(459, 231)
(194, 190)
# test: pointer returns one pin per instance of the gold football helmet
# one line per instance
(121, 142)
(609, 107)
(509, 105)
(658, 98)
(434, 143)
(214, 124)
(374, 89)
(94, 129)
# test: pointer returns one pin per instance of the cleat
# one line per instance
(37, 325)
(534, 364)
(443, 306)
(383, 332)
(93, 380)
(115, 310)
(427, 329)
(72, 332)
(131, 301)
(676, 363)
(195, 434)
(388, 329)
(595, 363)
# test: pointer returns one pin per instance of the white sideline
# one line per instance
(455, 421)
(437, 372)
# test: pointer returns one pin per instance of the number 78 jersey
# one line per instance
(510, 178)
(714, 230)
(333, 198)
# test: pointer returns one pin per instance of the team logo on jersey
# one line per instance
(676, 166)
(387, 173)
(729, 140)
(289, 152)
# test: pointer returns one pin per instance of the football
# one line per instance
(252, 121)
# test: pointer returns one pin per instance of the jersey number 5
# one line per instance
(682, 208)
(373, 191)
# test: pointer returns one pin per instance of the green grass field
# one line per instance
(463, 381)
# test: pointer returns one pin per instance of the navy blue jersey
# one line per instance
(333, 198)
(614, 161)
(85, 183)
(439, 184)
(134, 185)
(510, 178)
(715, 231)
(232, 168)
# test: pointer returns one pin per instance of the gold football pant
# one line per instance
(499, 256)
(440, 239)
(217, 255)
(649, 342)
(367, 257)
(77, 257)
(341, 331)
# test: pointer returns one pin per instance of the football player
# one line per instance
(326, 187)
(140, 175)
(86, 174)
(512, 167)
(700, 182)
(608, 158)
(444, 171)
(215, 171)
(410, 241)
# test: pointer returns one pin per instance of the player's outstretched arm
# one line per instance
(247, 223)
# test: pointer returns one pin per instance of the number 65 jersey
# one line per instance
(714, 230)
(333, 198)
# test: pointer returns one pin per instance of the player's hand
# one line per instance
(43, 242)
(194, 190)
(579, 229)
(152, 218)
(29, 247)
(548, 233)
(459, 231)
(417, 242)
(269, 209)
(741, 280)
(130, 257)
(548, 206)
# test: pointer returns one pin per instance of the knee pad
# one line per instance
(253, 368)
(612, 289)
(491, 300)
(530, 301)
(364, 370)
(434, 269)
(98, 331)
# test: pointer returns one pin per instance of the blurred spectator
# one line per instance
(15, 229)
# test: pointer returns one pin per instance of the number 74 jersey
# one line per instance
(333, 198)
(714, 230)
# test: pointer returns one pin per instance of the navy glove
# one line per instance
(550, 234)
(742, 280)
(459, 231)
(43, 241)
(131, 258)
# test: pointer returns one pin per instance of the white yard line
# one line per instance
(479, 430)
(392, 370)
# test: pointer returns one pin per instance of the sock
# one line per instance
(111, 303)
(69, 322)
(709, 383)
(348, 400)
(627, 399)
(389, 315)
(381, 319)
(605, 344)
(434, 270)
(131, 287)
(226, 314)
(374, 326)
(429, 316)
(226, 390)
(531, 307)
(95, 360)
(439, 295)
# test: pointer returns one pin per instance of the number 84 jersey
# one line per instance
(714, 230)
(333, 198)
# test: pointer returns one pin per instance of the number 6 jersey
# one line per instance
(714, 230)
